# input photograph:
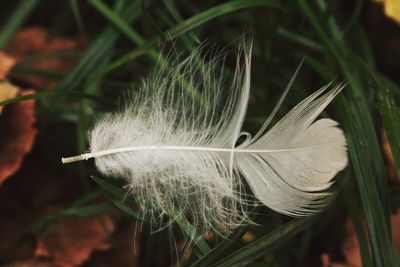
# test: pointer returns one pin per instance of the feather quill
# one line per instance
(180, 154)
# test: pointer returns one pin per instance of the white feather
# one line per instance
(178, 153)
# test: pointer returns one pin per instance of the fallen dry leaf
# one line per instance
(6, 63)
(36, 41)
(71, 243)
(74, 240)
(17, 133)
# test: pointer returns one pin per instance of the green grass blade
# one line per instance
(188, 25)
(126, 210)
(390, 115)
(173, 10)
(266, 244)
(379, 234)
(44, 95)
(55, 75)
(217, 11)
(376, 202)
(208, 258)
(299, 39)
(76, 12)
(388, 109)
(191, 232)
(15, 20)
(117, 21)
(137, 39)
(357, 216)
(186, 227)
(73, 212)
(114, 190)
(99, 48)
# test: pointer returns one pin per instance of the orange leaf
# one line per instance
(17, 134)
(36, 41)
(6, 63)
(74, 240)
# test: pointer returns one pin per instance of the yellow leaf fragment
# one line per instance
(392, 9)
(6, 63)
(7, 91)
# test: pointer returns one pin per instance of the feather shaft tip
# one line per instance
(75, 158)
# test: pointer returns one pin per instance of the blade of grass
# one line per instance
(114, 190)
(121, 25)
(173, 11)
(73, 212)
(126, 210)
(76, 12)
(186, 227)
(299, 39)
(208, 258)
(355, 211)
(357, 217)
(217, 11)
(377, 212)
(201, 246)
(186, 26)
(22, 69)
(137, 39)
(388, 109)
(15, 20)
(93, 56)
(146, 47)
(46, 94)
(265, 244)
(99, 48)
(379, 234)
(86, 198)
(149, 19)
(390, 115)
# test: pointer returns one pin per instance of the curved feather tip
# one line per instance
(177, 149)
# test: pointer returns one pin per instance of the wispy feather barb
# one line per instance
(179, 153)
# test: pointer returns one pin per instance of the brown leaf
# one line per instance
(35, 41)
(17, 134)
(6, 63)
(74, 240)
